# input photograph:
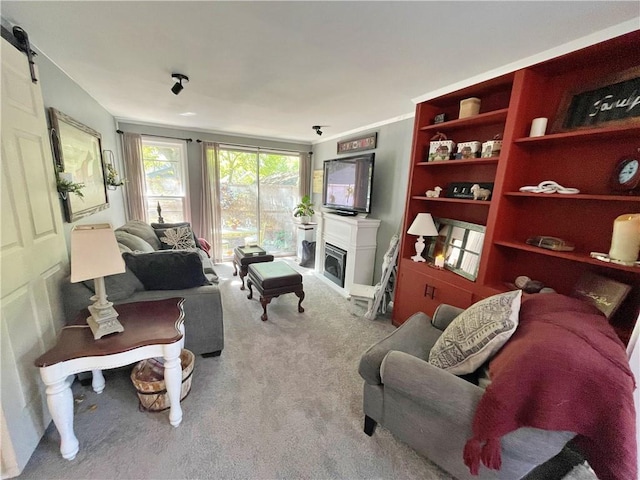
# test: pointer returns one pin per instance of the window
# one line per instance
(258, 191)
(166, 182)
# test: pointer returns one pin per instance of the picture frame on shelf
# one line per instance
(459, 244)
(77, 151)
(613, 101)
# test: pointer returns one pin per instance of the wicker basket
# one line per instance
(148, 378)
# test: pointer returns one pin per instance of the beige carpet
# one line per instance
(284, 401)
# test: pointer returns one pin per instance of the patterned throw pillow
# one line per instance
(477, 333)
(175, 236)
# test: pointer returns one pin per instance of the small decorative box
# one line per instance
(468, 150)
(469, 107)
(440, 148)
(491, 148)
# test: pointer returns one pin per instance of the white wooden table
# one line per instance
(151, 329)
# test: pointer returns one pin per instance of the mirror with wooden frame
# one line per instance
(460, 244)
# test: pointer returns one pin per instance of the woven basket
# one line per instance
(148, 378)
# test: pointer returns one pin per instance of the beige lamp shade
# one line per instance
(94, 252)
(423, 225)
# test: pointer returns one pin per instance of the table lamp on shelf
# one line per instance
(422, 226)
(94, 255)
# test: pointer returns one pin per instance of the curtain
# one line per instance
(305, 174)
(134, 173)
(210, 214)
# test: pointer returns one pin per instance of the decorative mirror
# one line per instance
(459, 244)
(78, 153)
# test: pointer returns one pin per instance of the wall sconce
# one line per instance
(422, 226)
(177, 87)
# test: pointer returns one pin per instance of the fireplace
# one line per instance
(335, 260)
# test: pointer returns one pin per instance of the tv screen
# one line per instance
(347, 184)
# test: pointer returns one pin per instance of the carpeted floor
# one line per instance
(284, 401)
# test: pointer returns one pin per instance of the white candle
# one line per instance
(439, 262)
(538, 127)
(625, 240)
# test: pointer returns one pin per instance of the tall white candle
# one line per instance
(625, 240)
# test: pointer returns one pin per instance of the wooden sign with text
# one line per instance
(357, 144)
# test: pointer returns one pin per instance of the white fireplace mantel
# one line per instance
(357, 236)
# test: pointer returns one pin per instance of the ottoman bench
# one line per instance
(272, 280)
(245, 256)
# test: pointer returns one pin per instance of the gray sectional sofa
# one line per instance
(204, 332)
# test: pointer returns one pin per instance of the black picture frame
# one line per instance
(77, 151)
(613, 101)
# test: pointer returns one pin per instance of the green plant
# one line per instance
(304, 208)
(113, 179)
(67, 186)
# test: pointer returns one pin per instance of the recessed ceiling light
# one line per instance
(188, 114)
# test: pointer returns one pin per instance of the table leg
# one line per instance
(97, 382)
(173, 381)
(60, 402)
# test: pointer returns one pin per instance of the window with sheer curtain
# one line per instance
(257, 192)
(166, 183)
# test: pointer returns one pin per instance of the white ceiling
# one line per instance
(274, 69)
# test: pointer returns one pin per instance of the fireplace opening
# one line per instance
(335, 260)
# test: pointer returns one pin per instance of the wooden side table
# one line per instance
(151, 329)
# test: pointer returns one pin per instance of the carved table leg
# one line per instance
(242, 275)
(60, 402)
(300, 295)
(173, 381)
(97, 382)
(249, 284)
(264, 301)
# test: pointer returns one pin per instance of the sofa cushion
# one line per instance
(142, 230)
(175, 236)
(167, 269)
(477, 333)
(119, 286)
(132, 242)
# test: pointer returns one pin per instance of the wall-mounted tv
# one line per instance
(347, 184)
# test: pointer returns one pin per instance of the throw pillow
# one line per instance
(142, 230)
(175, 236)
(119, 286)
(135, 243)
(477, 333)
(167, 269)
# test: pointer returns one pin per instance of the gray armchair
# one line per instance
(432, 410)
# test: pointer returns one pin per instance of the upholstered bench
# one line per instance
(272, 280)
(245, 256)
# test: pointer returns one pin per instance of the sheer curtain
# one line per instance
(209, 221)
(134, 173)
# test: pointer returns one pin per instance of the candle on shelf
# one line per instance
(625, 240)
(439, 262)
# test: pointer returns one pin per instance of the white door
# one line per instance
(33, 260)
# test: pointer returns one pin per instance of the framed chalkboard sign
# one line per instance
(613, 101)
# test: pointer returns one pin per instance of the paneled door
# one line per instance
(33, 258)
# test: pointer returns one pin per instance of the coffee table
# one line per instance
(245, 256)
(151, 329)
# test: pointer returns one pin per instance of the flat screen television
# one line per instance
(347, 184)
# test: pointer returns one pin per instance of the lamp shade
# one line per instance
(94, 252)
(423, 225)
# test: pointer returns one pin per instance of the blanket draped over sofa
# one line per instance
(563, 369)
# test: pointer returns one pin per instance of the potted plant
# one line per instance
(66, 185)
(113, 179)
(304, 210)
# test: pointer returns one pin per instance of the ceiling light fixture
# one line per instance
(317, 128)
(177, 87)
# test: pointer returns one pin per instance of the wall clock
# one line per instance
(626, 175)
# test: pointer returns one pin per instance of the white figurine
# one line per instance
(434, 193)
(480, 193)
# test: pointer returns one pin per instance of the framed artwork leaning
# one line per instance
(77, 150)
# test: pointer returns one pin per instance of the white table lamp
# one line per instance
(94, 255)
(422, 226)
